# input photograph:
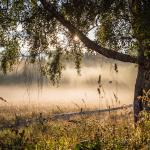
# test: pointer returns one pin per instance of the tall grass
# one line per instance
(80, 132)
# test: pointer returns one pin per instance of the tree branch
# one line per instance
(88, 43)
(91, 29)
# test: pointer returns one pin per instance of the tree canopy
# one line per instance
(117, 25)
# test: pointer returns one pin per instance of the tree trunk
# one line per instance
(142, 83)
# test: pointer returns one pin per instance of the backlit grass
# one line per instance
(78, 132)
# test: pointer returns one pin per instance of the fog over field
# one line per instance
(73, 90)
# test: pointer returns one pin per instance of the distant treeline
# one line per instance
(93, 59)
(88, 59)
(29, 73)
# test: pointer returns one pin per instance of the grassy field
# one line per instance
(78, 132)
(84, 132)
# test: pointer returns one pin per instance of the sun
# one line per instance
(76, 38)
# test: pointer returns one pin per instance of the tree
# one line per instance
(119, 25)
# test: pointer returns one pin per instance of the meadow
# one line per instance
(27, 97)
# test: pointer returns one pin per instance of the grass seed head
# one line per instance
(99, 81)
(116, 68)
(98, 89)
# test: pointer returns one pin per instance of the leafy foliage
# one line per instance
(55, 67)
(118, 25)
(10, 55)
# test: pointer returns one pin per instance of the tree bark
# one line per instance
(139, 86)
(142, 84)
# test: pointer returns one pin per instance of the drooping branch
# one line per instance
(88, 43)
